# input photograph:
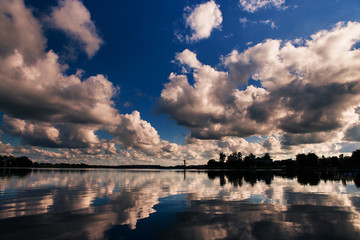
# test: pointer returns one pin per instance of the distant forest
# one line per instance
(309, 160)
(11, 161)
(233, 161)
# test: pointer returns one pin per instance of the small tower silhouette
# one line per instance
(184, 169)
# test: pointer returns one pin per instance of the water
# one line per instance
(169, 204)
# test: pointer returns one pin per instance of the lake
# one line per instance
(174, 204)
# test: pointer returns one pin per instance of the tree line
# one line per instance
(25, 162)
(11, 161)
(233, 161)
(302, 160)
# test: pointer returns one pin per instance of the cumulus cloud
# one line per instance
(46, 107)
(211, 107)
(62, 113)
(309, 92)
(133, 132)
(203, 19)
(20, 30)
(6, 149)
(33, 133)
(74, 19)
(41, 91)
(189, 58)
(254, 5)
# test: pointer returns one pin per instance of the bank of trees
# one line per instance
(11, 161)
(236, 160)
(309, 160)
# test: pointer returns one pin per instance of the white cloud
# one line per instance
(245, 21)
(254, 5)
(74, 18)
(52, 95)
(309, 93)
(43, 105)
(6, 149)
(133, 132)
(20, 30)
(188, 58)
(62, 113)
(32, 130)
(203, 19)
(46, 107)
(268, 22)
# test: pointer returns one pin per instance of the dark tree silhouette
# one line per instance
(355, 158)
(222, 157)
(234, 160)
(239, 154)
(11, 161)
(249, 160)
(308, 160)
(212, 163)
(266, 156)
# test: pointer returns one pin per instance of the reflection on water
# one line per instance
(146, 204)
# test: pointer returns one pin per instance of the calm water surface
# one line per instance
(146, 204)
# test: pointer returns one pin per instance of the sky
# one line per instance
(157, 82)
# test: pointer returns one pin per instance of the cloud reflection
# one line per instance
(95, 203)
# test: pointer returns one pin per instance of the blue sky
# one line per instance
(144, 82)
